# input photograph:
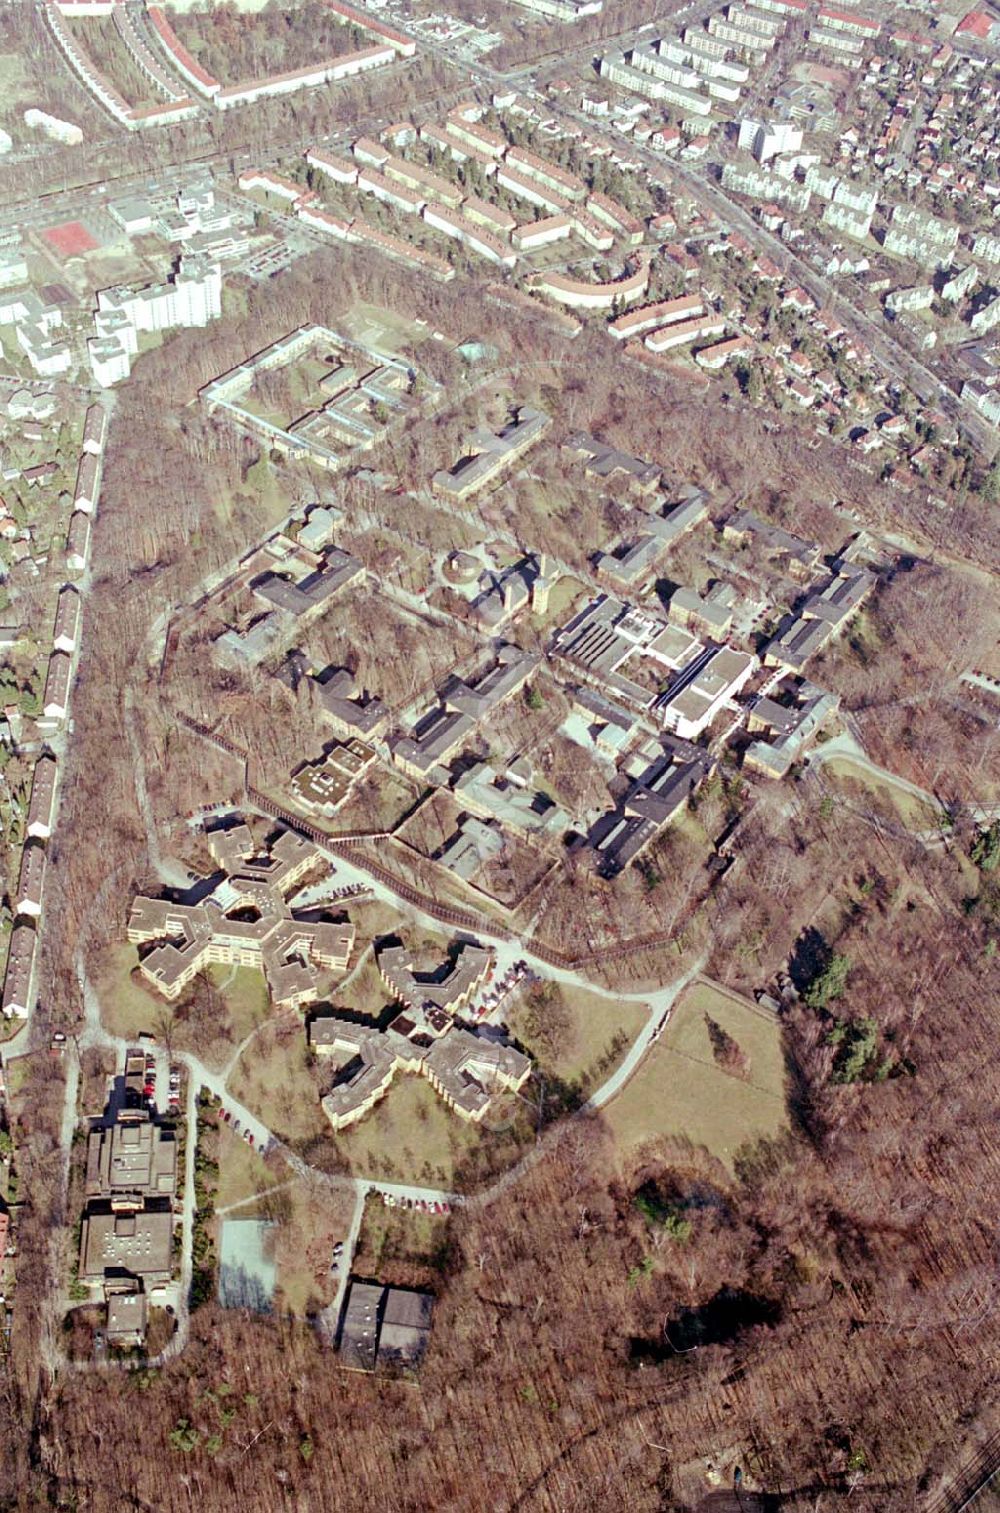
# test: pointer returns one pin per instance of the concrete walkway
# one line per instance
(849, 749)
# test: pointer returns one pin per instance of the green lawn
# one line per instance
(242, 1171)
(274, 1079)
(401, 1246)
(563, 594)
(409, 1136)
(128, 1007)
(582, 1048)
(680, 1090)
(384, 330)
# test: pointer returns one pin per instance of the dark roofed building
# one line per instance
(338, 569)
(604, 462)
(360, 1328)
(387, 1327)
(406, 1328)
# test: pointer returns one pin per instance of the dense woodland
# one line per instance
(604, 1327)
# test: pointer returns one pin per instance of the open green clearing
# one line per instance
(680, 1090)
(405, 1247)
(382, 330)
(193, 1022)
(410, 1136)
(242, 1172)
(276, 1080)
(577, 1036)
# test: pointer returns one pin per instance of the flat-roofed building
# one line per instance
(406, 1327)
(131, 1161)
(448, 988)
(127, 1317)
(324, 785)
(385, 1327)
(701, 691)
(290, 950)
(138, 1244)
(465, 1070)
(360, 1327)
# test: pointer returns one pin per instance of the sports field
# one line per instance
(70, 239)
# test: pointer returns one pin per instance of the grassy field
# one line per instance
(128, 1008)
(409, 1136)
(242, 1172)
(402, 1246)
(274, 1079)
(913, 811)
(563, 594)
(383, 330)
(680, 1090)
(312, 1218)
(585, 1052)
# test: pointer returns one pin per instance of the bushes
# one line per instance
(829, 983)
(206, 1182)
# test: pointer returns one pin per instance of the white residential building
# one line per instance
(766, 141)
